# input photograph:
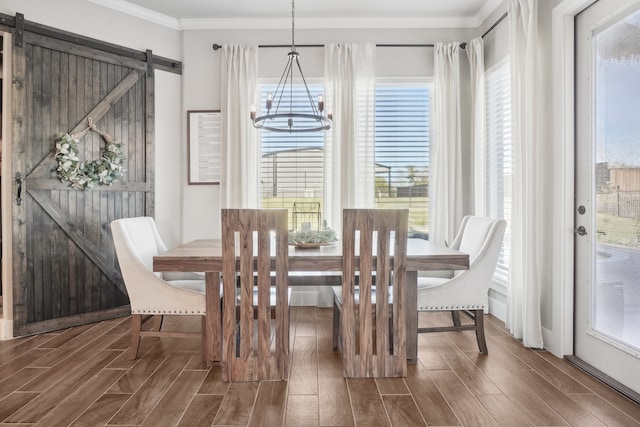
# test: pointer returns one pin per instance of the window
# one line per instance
(402, 150)
(499, 170)
(292, 166)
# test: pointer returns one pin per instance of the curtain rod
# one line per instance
(495, 24)
(217, 46)
(463, 45)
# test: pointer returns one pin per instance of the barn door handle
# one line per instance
(19, 190)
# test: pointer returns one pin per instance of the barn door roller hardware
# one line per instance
(18, 32)
(20, 26)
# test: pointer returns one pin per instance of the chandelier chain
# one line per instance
(293, 25)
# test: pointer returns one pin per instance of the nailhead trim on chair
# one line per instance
(166, 312)
(457, 307)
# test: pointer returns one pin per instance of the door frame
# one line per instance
(560, 343)
(6, 315)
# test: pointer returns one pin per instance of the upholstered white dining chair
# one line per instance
(466, 290)
(158, 294)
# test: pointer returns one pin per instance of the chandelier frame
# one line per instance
(284, 119)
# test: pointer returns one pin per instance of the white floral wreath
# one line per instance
(83, 175)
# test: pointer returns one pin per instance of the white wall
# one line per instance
(550, 317)
(496, 42)
(170, 160)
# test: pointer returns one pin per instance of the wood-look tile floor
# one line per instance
(80, 377)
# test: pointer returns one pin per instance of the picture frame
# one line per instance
(204, 147)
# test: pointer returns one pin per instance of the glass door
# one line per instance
(607, 288)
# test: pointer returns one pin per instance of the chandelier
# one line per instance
(280, 115)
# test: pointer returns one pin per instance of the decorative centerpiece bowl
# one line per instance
(307, 239)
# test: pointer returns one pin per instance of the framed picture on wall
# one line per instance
(204, 146)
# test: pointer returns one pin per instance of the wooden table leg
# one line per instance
(411, 304)
(213, 320)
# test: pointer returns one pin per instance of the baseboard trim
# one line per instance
(6, 329)
(304, 298)
(497, 308)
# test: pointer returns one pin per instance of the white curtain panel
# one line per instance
(477, 197)
(239, 184)
(527, 228)
(350, 145)
(446, 163)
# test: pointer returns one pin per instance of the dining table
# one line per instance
(319, 266)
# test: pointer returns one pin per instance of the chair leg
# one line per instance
(237, 334)
(204, 339)
(336, 325)
(136, 323)
(394, 350)
(479, 320)
(455, 316)
(157, 322)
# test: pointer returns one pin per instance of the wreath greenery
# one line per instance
(83, 175)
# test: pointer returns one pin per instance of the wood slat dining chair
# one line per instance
(255, 286)
(370, 305)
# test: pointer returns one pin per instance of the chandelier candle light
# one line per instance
(283, 118)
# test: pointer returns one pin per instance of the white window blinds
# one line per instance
(291, 172)
(402, 150)
(499, 168)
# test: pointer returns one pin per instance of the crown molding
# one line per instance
(309, 23)
(326, 23)
(487, 9)
(141, 12)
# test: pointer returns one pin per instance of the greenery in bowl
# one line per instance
(325, 235)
